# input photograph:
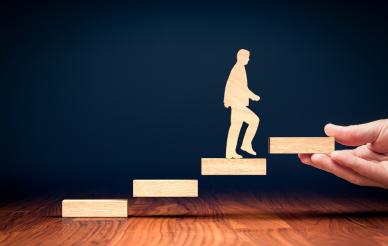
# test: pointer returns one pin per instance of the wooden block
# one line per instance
(165, 188)
(222, 166)
(95, 208)
(301, 145)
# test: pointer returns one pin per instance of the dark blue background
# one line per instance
(102, 93)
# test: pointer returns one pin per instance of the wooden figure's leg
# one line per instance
(253, 122)
(234, 130)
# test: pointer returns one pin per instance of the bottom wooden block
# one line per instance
(223, 166)
(95, 208)
(165, 188)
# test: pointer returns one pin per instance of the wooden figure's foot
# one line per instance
(248, 149)
(233, 155)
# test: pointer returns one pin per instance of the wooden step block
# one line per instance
(95, 208)
(165, 188)
(223, 166)
(301, 145)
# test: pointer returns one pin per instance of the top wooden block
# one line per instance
(312, 145)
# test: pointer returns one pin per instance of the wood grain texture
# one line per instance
(303, 145)
(95, 208)
(165, 188)
(225, 214)
(222, 166)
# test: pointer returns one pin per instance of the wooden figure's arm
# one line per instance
(252, 95)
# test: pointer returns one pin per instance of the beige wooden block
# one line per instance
(222, 166)
(309, 145)
(165, 188)
(95, 208)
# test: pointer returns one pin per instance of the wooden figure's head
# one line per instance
(243, 56)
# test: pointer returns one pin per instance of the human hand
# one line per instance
(255, 98)
(367, 165)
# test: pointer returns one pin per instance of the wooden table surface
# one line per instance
(222, 215)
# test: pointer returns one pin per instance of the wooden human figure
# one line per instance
(237, 97)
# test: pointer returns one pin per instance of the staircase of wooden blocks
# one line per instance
(189, 188)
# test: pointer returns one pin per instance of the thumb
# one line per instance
(370, 133)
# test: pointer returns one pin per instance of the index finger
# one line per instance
(358, 134)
